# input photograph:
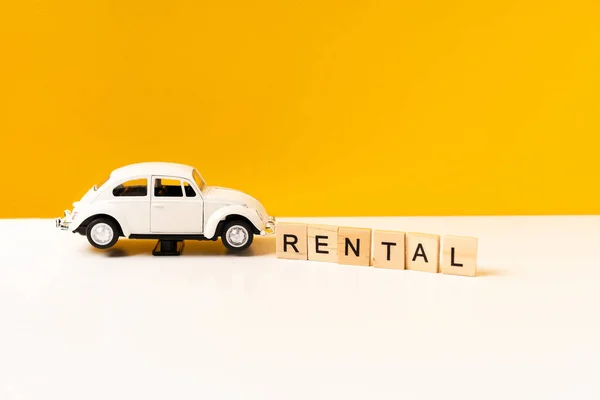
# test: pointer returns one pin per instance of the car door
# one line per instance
(130, 200)
(176, 206)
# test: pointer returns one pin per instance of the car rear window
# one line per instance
(134, 187)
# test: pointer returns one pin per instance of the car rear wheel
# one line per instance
(102, 233)
(237, 235)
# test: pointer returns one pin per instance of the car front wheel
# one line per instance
(237, 235)
(102, 233)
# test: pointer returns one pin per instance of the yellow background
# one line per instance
(314, 107)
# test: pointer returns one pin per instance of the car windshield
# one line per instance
(199, 181)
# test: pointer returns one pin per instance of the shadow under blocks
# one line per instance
(455, 255)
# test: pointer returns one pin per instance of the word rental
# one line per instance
(377, 248)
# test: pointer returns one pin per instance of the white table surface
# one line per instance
(78, 323)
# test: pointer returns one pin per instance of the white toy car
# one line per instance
(165, 201)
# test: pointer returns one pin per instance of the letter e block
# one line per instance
(290, 241)
(388, 249)
(354, 246)
(459, 255)
(423, 252)
(322, 243)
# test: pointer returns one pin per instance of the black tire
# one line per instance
(246, 229)
(111, 224)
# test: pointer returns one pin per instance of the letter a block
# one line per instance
(322, 243)
(354, 246)
(459, 255)
(290, 241)
(388, 249)
(422, 252)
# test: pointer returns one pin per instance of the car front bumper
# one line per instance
(64, 222)
(269, 227)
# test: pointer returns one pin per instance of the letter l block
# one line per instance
(459, 255)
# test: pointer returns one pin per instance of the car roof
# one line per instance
(153, 168)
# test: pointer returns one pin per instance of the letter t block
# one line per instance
(388, 249)
(291, 241)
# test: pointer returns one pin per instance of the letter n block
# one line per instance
(423, 252)
(354, 246)
(388, 249)
(322, 243)
(290, 241)
(459, 255)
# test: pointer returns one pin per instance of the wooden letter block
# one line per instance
(459, 255)
(322, 243)
(290, 241)
(354, 246)
(422, 252)
(388, 249)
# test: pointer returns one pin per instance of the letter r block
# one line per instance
(459, 255)
(354, 246)
(291, 241)
(423, 252)
(322, 243)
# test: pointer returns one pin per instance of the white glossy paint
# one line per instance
(149, 214)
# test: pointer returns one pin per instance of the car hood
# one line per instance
(216, 194)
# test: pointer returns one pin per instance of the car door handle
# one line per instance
(158, 206)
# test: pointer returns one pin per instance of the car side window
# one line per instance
(188, 189)
(166, 187)
(134, 187)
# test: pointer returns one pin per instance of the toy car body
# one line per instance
(165, 201)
